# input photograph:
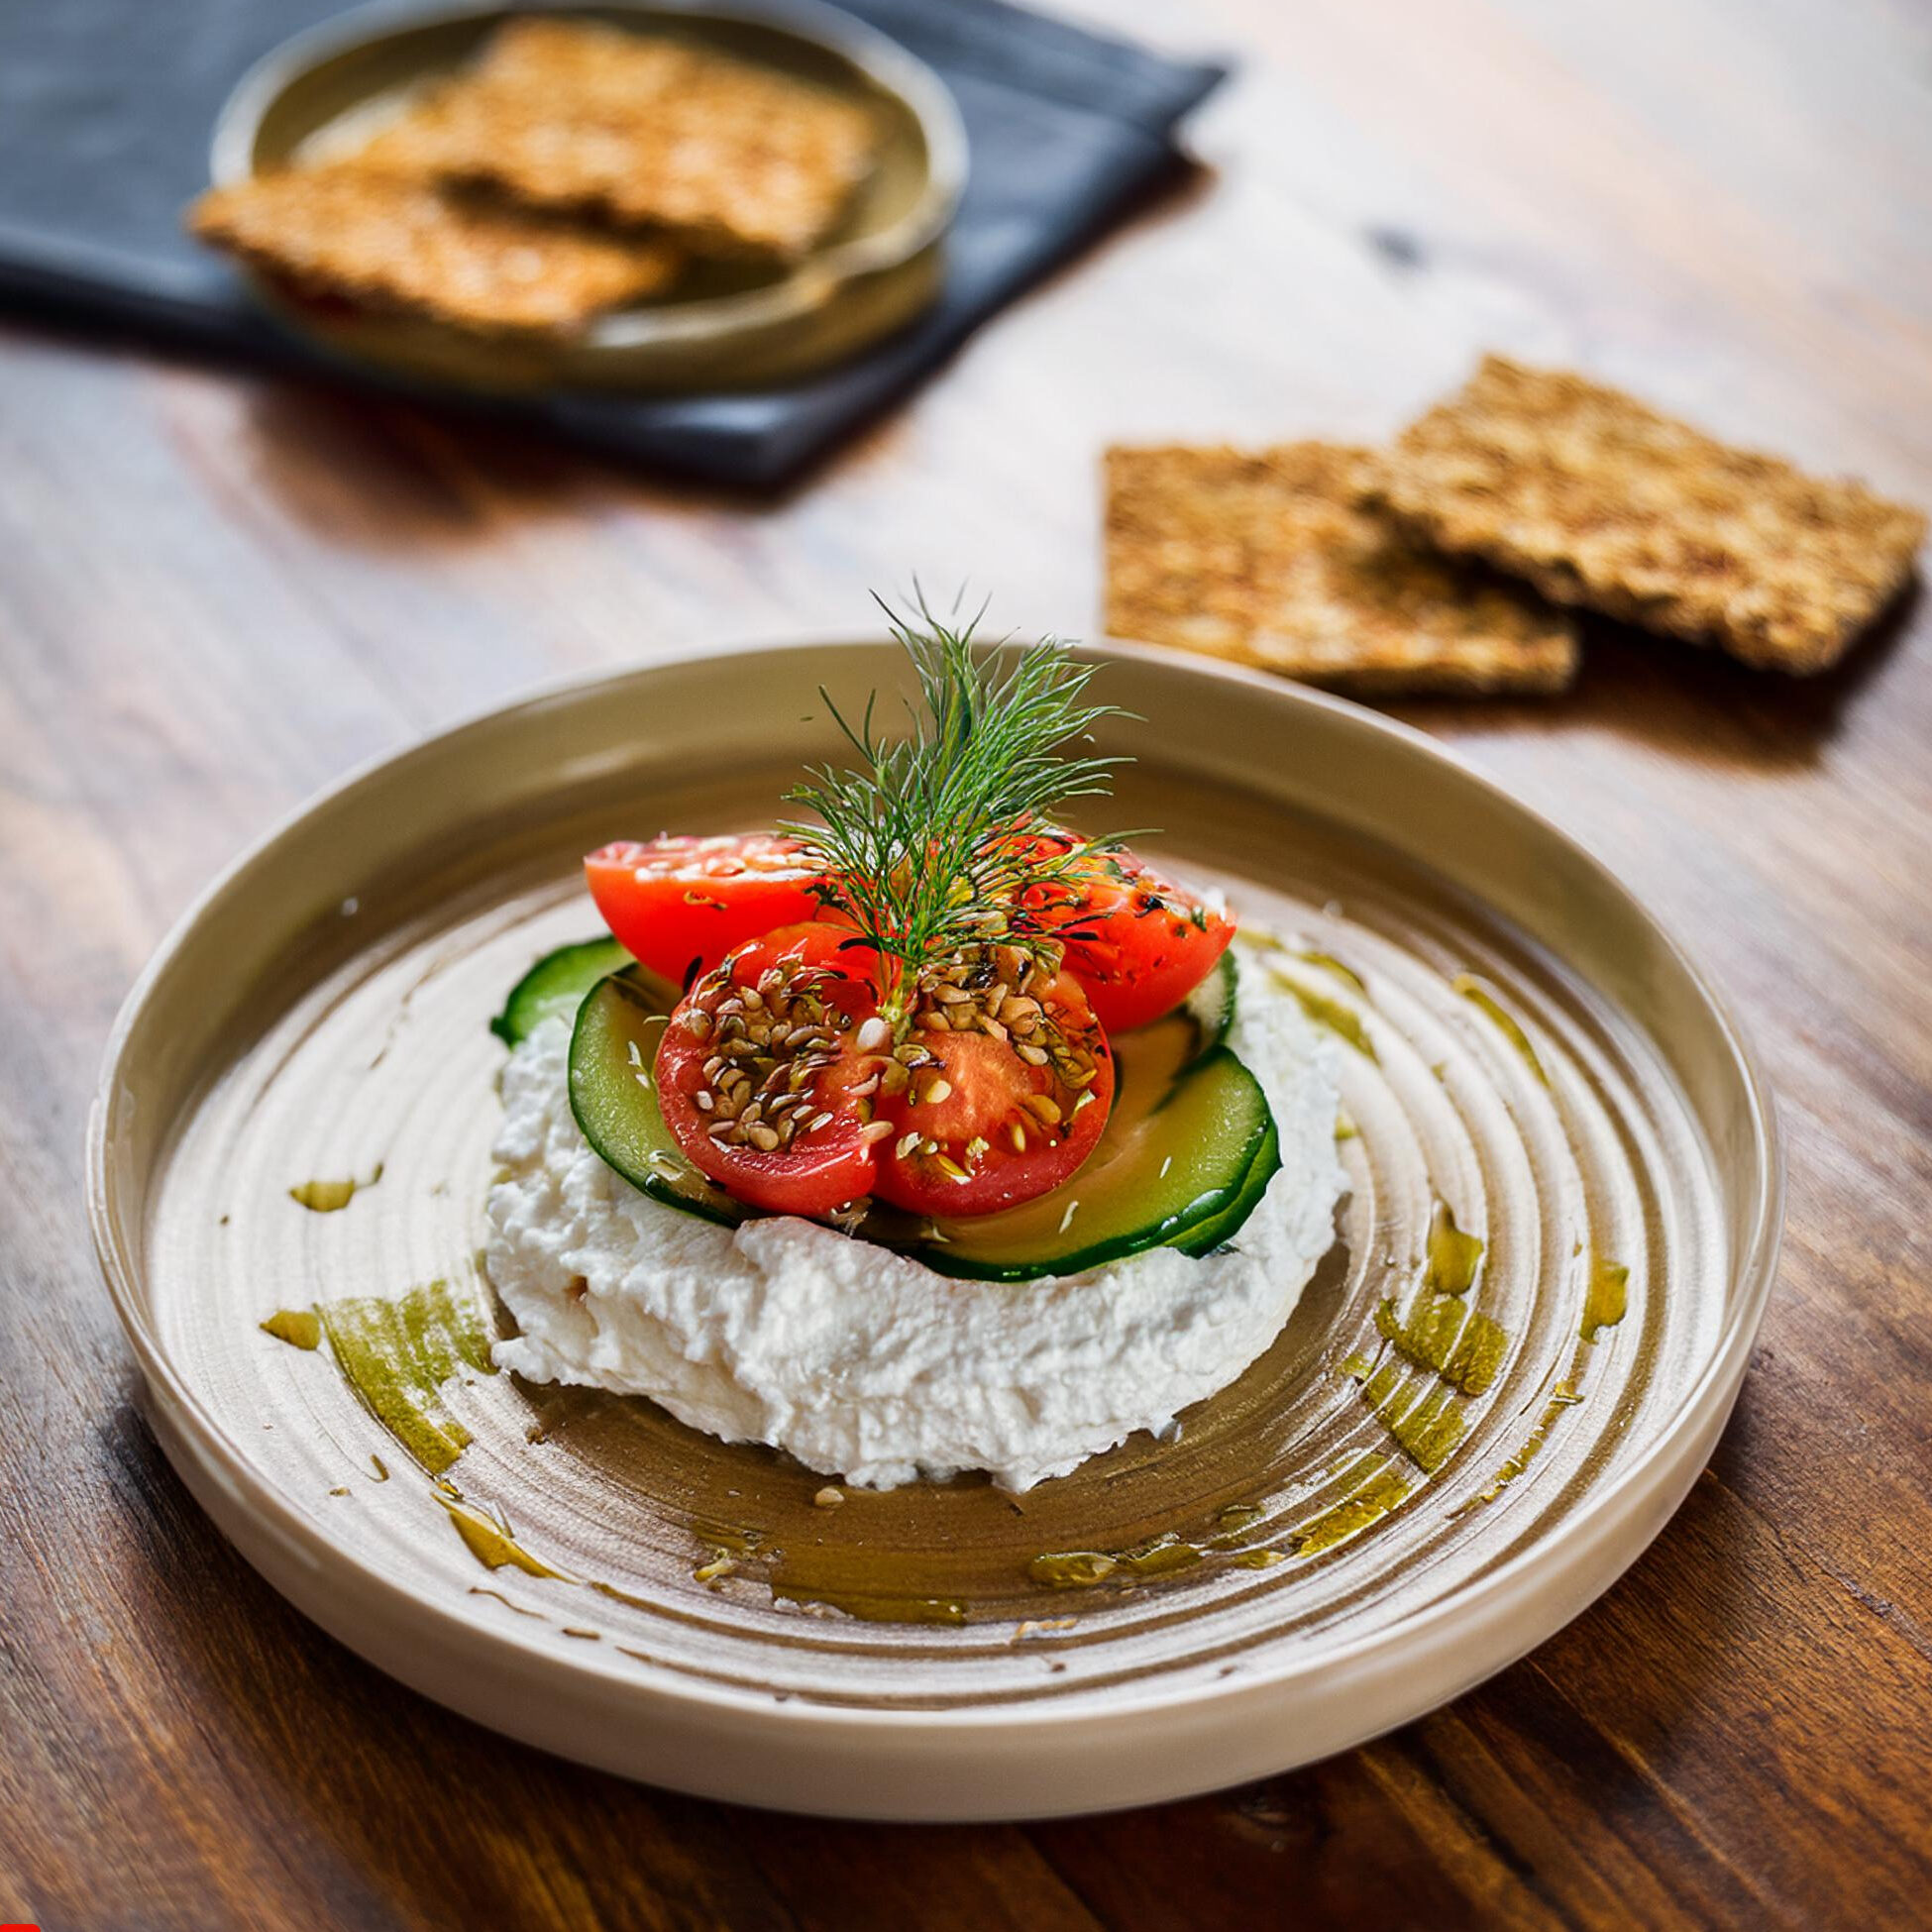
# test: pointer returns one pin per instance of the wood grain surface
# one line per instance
(216, 592)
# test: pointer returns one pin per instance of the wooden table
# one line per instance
(216, 594)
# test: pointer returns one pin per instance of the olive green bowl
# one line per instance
(1334, 1543)
(721, 326)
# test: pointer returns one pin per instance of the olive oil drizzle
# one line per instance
(1607, 1298)
(300, 1327)
(331, 1197)
(490, 1542)
(1464, 1345)
(1506, 1022)
(396, 1355)
(1381, 1487)
(1081, 1569)
(1338, 1018)
(875, 1609)
(1605, 1303)
(1453, 1258)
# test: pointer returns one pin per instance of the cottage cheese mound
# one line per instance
(865, 1365)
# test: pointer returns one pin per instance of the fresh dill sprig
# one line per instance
(923, 839)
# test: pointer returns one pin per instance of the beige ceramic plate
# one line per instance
(721, 327)
(1338, 1542)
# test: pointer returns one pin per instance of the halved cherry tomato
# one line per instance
(1138, 943)
(782, 1080)
(757, 1070)
(989, 1117)
(680, 905)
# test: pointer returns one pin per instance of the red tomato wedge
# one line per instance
(680, 905)
(781, 1079)
(1138, 943)
(760, 1077)
(990, 1118)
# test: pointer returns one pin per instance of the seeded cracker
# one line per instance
(732, 159)
(1601, 502)
(1267, 560)
(390, 243)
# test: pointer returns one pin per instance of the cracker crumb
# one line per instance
(828, 1498)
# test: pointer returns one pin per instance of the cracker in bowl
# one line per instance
(733, 159)
(381, 240)
(1267, 559)
(1601, 502)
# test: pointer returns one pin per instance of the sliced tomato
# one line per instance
(761, 1079)
(990, 1114)
(781, 1079)
(1138, 943)
(680, 905)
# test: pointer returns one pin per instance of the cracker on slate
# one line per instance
(1598, 500)
(730, 158)
(1267, 559)
(390, 243)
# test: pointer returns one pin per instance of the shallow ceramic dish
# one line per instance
(1333, 1545)
(720, 326)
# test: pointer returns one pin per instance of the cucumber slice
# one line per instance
(555, 984)
(1189, 1146)
(614, 1096)
(1218, 1230)
(1160, 1173)
(1211, 1005)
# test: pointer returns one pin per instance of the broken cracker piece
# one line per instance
(1266, 559)
(1601, 502)
(389, 243)
(732, 157)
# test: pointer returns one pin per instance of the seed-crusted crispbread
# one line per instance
(1601, 502)
(730, 158)
(390, 243)
(1268, 560)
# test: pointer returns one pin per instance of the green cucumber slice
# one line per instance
(555, 984)
(1218, 1230)
(1211, 1005)
(1161, 1172)
(614, 1096)
(1190, 1143)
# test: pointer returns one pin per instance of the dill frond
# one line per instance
(921, 838)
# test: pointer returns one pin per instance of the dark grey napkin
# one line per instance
(106, 108)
